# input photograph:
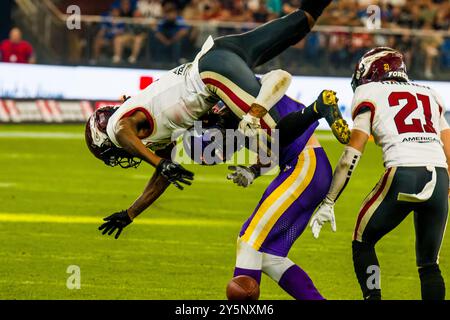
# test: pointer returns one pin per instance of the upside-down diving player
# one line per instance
(221, 71)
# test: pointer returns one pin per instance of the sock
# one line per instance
(273, 87)
(299, 285)
(431, 283)
(248, 261)
(364, 257)
(315, 7)
(295, 124)
(255, 274)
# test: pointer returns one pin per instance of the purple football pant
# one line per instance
(282, 215)
(288, 203)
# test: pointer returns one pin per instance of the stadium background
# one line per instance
(54, 193)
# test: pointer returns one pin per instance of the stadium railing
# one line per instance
(327, 51)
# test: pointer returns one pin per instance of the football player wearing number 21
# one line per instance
(407, 121)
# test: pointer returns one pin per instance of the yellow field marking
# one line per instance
(47, 218)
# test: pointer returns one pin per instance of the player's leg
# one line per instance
(251, 49)
(380, 213)
(249, 258)
(292, 125)
(430, 219)
(274, 206)
(290, 277)
(269, 40)
(248, 261)
(226, 69)
(229, 79)
(283, 215)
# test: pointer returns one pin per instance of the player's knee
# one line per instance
(247, 257)
(274, 83)
(429, 269)
(279, 74)
(275, 266)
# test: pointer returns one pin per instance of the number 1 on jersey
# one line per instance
(410, 106)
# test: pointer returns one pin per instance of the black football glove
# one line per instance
(118, 220)
(175, 173)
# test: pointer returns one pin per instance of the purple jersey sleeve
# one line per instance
(283, 107)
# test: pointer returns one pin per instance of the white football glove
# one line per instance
(325, 213)
(249, 125)
(243, 176)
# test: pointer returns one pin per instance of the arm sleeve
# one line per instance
(344, 169)
(362, 122)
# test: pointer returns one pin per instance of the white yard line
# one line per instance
(56, 218)
(7, 184)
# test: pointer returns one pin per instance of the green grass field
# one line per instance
(54, 194)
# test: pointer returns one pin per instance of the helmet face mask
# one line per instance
(114, 156)
(101, 146)
(379, 64)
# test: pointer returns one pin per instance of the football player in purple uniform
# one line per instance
(286, 205)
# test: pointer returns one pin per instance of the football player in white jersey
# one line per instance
(221, 71)
(407, 122)
(143, 125)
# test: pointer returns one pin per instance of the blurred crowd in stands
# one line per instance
(173, 40)
(179, 27)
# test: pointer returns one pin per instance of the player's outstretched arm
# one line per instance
(344, 169)
(153, 190)
(119, 220)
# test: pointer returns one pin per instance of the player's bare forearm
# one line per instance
(154, 189)
(358, 140)
(119, 220)
(127, 137)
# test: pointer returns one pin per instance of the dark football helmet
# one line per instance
(201, 143)
(380, 64)
(101, 146)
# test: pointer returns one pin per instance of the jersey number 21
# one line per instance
(411, 104)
